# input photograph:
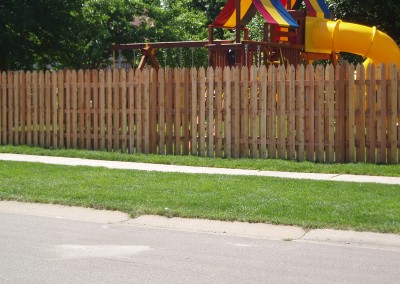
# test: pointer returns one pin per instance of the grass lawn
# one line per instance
(310, 204)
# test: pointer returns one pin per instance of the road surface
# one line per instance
(37, 249)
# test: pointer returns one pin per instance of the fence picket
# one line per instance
(131, 105)
(61, 109)
(102, 107)
(169, 111)
(382, 107)
(236, 113)
(392, 111)
(153, 100)
(360, 113)
(210, 112)
(281, 95)
(218, 112)
(330, 101)
(68, 108)
(81, 109)
(3, 108)
(371, 126)
(88, 101)
(22, 107)
(300, 106)
(185, 101)
(271, 110)
(310, 120)
(138, 104)
(292, 113)
(177, 105)
(95, 109)
(263, 111)
(146, 111)
(194, 116)
(161, 113)
(16, 105)
(28, 107)
(351, 117)
(244, 113)
(41, 110)
(253, 108)
(54, 110)
(202, 112)
(320, 113)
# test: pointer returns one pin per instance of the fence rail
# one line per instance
(324, 114)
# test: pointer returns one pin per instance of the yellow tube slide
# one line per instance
(325, 36)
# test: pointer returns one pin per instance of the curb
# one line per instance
(240, 229)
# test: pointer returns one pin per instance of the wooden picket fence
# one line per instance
(325, 114)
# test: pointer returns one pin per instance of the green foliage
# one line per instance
(385, 15)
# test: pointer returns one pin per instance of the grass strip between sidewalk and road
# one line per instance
(306, 203)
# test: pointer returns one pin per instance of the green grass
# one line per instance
(310, 204)
(256, 164)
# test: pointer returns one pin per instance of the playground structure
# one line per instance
(291, 36)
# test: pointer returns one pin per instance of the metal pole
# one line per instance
(238, 26)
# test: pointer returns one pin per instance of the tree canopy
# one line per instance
(79, 33)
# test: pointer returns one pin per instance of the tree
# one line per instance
(34, 32)
(385, 15)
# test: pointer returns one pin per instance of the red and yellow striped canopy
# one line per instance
(272, 10)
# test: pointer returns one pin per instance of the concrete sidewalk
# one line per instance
(195, 170)
(266, 231)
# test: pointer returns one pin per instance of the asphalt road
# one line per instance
(36, 249)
